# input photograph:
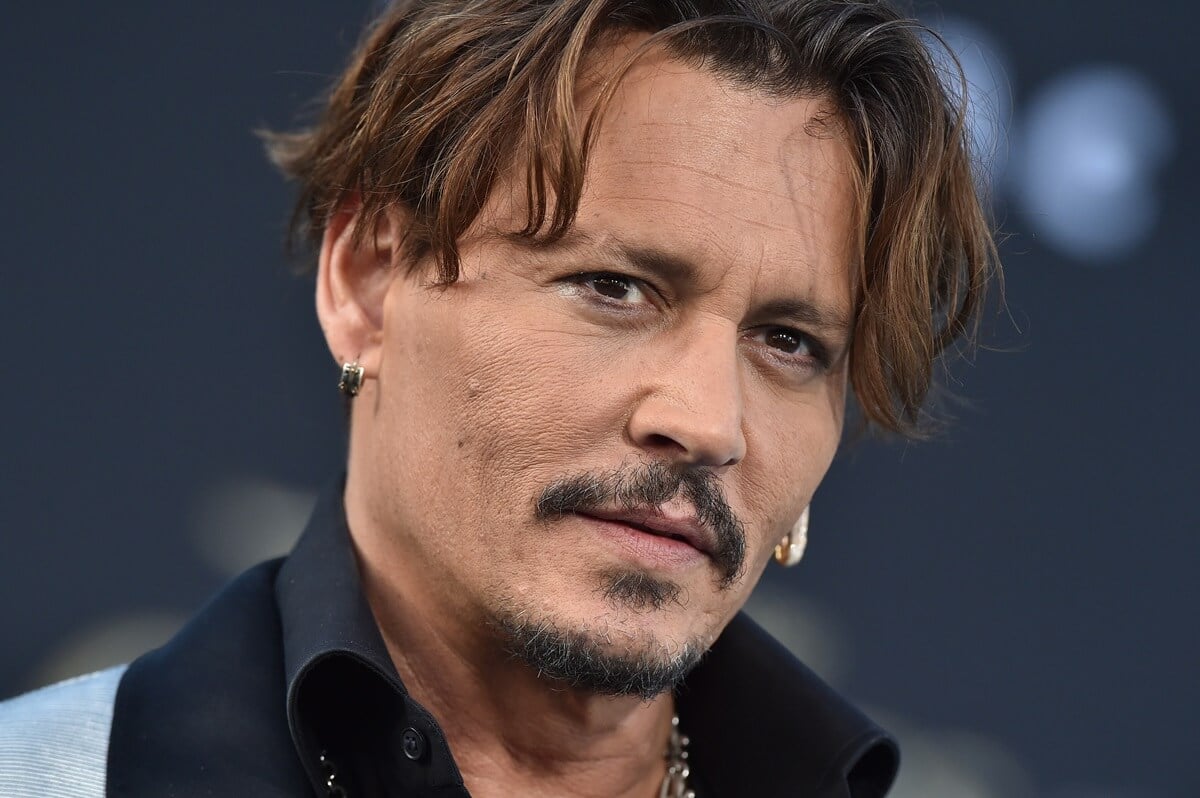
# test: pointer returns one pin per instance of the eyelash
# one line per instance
(585, 278)
(817, 350)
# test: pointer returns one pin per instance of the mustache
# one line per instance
(650, 485)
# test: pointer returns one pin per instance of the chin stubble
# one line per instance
(639, 591)
(590, 657)
(585, 659)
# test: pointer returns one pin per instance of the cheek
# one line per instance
(522, 398)
(790, 447)
(517, 407)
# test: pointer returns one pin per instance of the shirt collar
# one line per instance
(775, 728)
(347, 708)
(760, 722)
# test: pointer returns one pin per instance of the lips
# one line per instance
(661, 523)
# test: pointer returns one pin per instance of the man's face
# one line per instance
(545, 430)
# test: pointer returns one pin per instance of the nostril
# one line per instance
(660, 441)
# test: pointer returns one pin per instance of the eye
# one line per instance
(795, 346)
(788, 340)
(614, 288)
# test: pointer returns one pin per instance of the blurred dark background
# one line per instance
(1018, 599)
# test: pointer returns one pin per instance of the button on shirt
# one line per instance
(282, 686)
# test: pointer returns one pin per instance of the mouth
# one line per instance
(662, 538)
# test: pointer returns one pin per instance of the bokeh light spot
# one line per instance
(1085, 161)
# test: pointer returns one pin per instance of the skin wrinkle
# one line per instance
(714, 176)
(698, 208)
(484, 392)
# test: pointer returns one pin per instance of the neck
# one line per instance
(512, 731)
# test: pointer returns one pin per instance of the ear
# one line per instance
(352, 284)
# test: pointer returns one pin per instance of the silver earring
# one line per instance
(791, 548)
(352, 378)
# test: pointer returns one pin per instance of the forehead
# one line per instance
(753, 189)
(721, 174)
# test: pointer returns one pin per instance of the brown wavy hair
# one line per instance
(441, 98)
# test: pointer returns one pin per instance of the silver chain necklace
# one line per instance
(674, 784)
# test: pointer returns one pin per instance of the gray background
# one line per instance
(1017, 599)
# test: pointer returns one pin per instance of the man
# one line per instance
(600, 277)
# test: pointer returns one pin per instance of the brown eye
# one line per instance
(785, 340)
(611, 286)
(616, 289)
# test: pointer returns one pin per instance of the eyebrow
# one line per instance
(680, 270)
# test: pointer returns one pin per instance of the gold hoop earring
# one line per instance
(352, 378)
(791, 548)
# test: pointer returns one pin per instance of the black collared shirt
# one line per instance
(283, 679)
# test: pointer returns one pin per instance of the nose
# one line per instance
(691, 410)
